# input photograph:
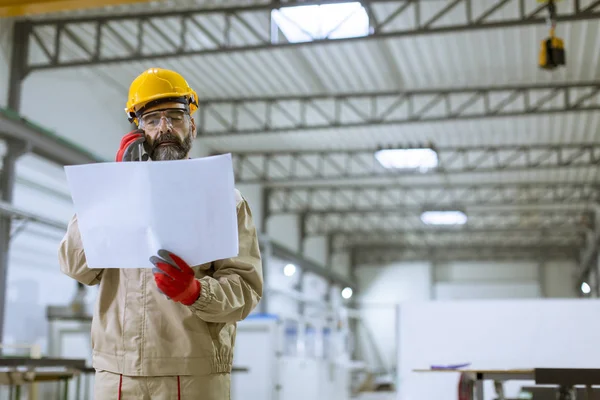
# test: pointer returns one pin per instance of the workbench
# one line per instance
(564, 378)
(18, 371)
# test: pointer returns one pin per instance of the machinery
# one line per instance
(292, 358)
(552, 51)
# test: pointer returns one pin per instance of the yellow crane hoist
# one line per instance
(552, 51)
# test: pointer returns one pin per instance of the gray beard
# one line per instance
(172, 152)
(166, 153)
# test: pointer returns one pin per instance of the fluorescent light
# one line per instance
(347, 293)
(419, 159)
(444, 218)
(333, 21)
(585, 288)
(289, 270)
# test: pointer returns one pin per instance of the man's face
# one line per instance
(169, 130)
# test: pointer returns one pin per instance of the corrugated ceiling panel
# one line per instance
(485, 57)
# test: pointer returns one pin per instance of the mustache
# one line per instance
(171, 139)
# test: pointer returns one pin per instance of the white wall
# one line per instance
(486, 280)
(559, 280)
(315, 248)
(382, 288)
(78, 106)
(340, 263)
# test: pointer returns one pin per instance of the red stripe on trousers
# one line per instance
(120, 385)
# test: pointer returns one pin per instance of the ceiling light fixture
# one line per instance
(444, 218)
(585, 288)
(347, 293)
(289, 270)
(421, 159)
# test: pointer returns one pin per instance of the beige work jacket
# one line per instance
(137, 331)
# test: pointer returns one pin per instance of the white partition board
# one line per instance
(492, 334)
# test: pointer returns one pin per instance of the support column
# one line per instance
(266, 254)
(353, 323)
(329, 259)
(596, 287)
(589, 255)
(266, 210)
(18, 64)
(18, 72)
(301, 249)
(541, 272)
(302, 234)
(7, 183)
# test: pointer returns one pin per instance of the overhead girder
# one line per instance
(446, 238)
(19, 8)
(379, 255)
(321, 165)
(488, 221)
(194, 31)
(288, 114)
(418, 197)
(42, 142)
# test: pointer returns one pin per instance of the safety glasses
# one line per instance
(175, 118)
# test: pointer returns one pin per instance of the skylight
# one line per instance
(327, 21)
(444, 218)
(422, 159)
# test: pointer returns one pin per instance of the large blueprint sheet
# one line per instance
(128, 211)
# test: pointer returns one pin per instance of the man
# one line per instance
(169, 332)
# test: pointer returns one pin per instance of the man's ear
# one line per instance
(194, 131)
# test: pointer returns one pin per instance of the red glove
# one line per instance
(126, 141)
(175, 278)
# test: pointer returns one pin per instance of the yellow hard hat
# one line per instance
(157, 85)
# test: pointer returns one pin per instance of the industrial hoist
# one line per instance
(552, 51)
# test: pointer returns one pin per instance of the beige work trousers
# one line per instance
(109, 386)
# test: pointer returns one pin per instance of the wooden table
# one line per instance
(564, 378)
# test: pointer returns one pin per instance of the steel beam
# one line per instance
(279, 114)
(443, 238)
(388, 254)
(589, 255)
(7, 210)
(18, 67)
(166, 34)
(7, 183)
(41, 141)
(398, 222)
(17, 8)
(320, 165)
(417, 198)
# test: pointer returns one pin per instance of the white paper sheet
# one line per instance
(128, 211)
